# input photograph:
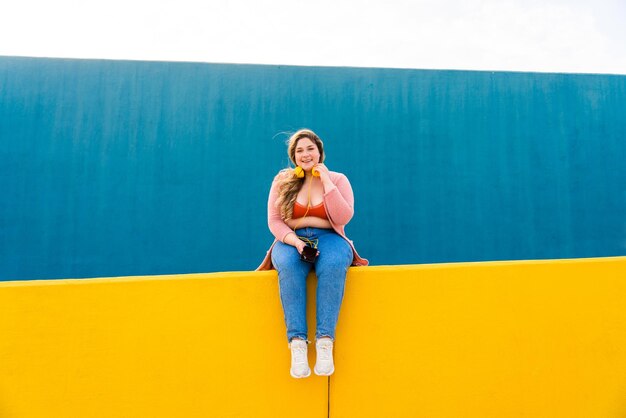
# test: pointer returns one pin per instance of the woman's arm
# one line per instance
(277, 226)
(338, 196)
(339, 200)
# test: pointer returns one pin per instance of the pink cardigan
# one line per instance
(339, 205)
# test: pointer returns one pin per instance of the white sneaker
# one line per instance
(299, 359)
(324, 364)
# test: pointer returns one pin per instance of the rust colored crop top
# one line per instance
(318, 211)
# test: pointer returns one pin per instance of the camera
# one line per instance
(309, 254)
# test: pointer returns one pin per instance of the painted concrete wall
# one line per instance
(541, 339)
(114, 168)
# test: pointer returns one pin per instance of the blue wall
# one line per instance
(112, 168)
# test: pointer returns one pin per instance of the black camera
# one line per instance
(309, 254)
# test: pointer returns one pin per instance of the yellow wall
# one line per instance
(503, 339)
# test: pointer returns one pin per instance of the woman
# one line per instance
(309, 206)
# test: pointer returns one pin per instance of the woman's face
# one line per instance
(307, 154)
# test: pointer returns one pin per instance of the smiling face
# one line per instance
(307, 154)
(305, 149)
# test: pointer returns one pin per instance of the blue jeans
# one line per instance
(331, 267)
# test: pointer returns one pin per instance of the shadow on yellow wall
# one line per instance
(498, 339)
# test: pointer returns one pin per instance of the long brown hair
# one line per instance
(288, 184)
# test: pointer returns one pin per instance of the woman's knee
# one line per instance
(333, 264)
(336, 256)
(287, 261)
(284, 256)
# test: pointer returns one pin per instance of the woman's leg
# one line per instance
(292, 273)
(331, 268)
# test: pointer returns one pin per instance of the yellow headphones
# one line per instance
(299, 172)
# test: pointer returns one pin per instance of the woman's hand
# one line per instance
(293, 240)
(324, 177)
(299, 244)
(324, 172)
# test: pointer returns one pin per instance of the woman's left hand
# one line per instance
(324, 172)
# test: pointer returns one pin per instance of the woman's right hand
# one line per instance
(299, 244)
(293, 240)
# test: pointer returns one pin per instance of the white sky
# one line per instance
(586, 36)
